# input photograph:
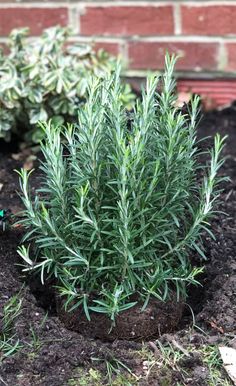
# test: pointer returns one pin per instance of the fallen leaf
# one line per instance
(16, 156)
(216, 327)
(228, 355)
(18, 226)
(29, 163)
(208, 102)
(182, 98)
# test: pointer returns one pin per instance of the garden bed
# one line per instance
(52, 355)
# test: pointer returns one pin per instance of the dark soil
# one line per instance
(51, 355)
(132, 324)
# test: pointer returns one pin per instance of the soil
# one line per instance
(51, 355)
(132, 324)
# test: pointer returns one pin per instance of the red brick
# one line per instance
(112, 48)
(214, 93)
(209, 20)
(4, 48)
(231, 54)
(196, 56)
(35, 18)
(127, 20)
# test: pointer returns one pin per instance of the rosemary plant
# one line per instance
(120, 207)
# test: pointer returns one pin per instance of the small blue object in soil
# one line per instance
(4, 215)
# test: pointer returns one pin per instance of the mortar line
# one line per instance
(177, 19)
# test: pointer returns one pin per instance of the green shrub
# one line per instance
(120, 207)
(46, 78)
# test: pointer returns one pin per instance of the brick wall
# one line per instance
(202, 32)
